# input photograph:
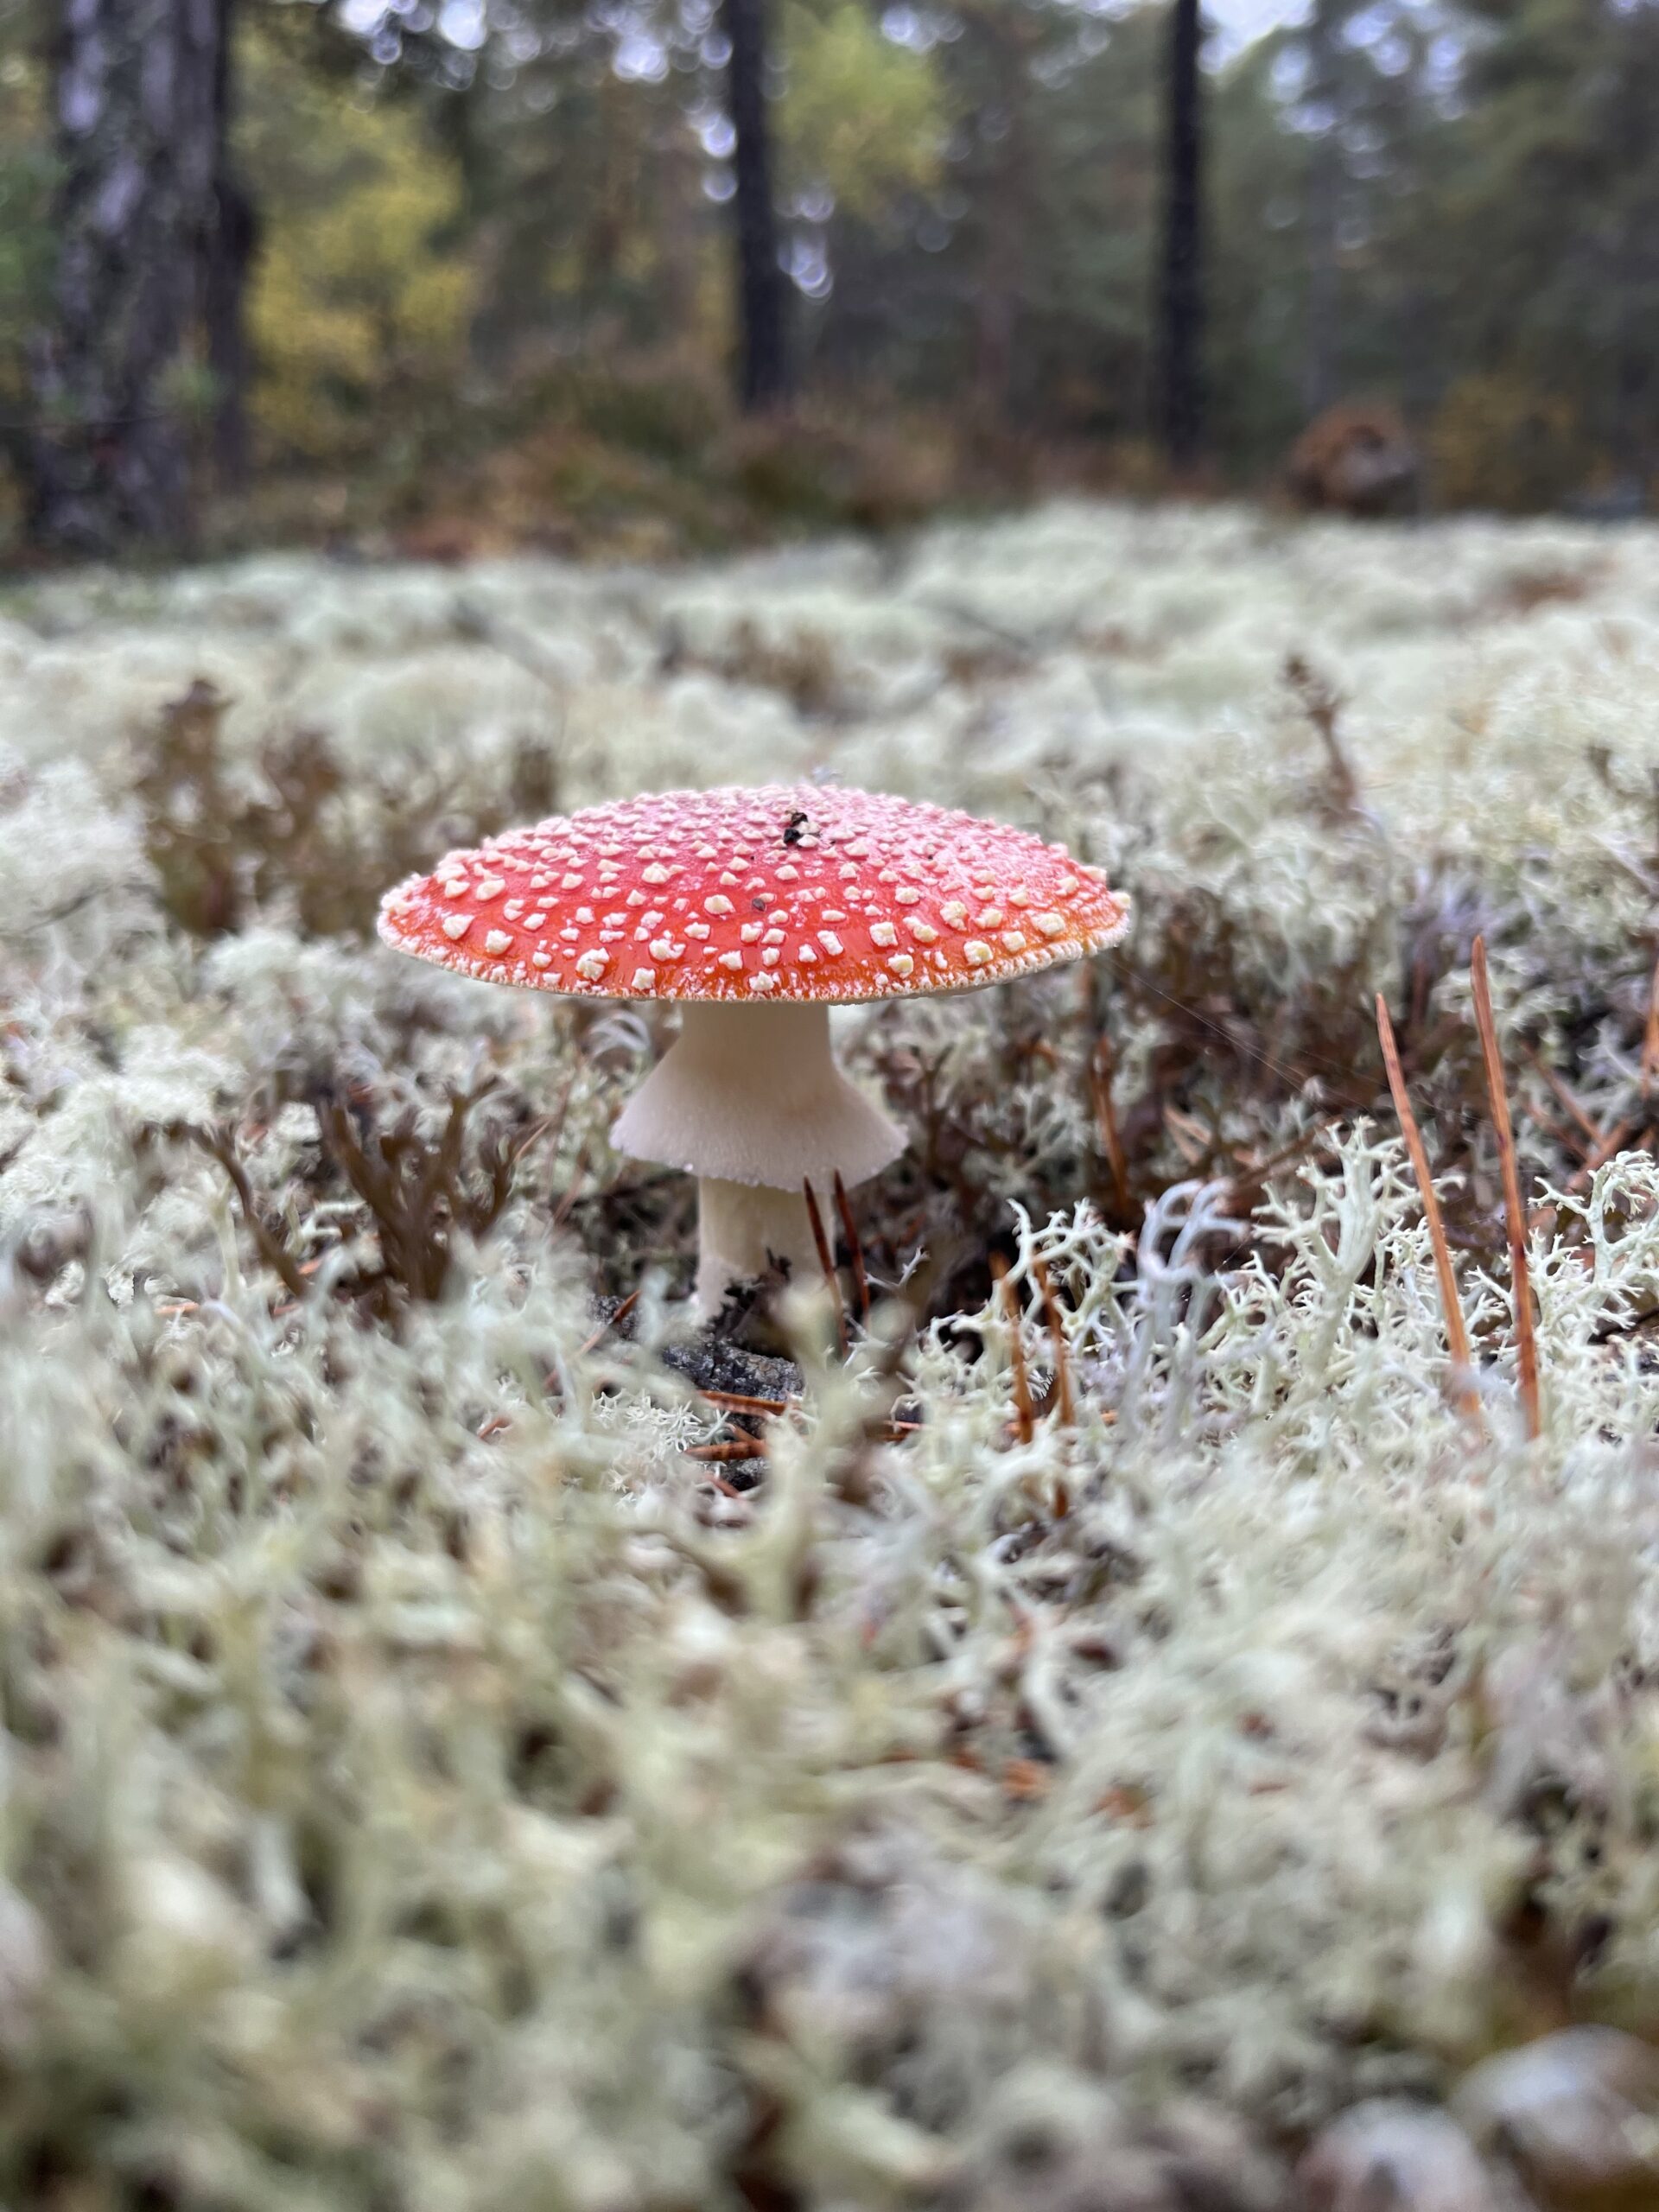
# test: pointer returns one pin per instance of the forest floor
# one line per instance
(1092, 1743)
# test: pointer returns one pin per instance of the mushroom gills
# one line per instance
(749, 1100)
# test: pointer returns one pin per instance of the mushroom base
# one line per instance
(743, 1229)
(749, 1100)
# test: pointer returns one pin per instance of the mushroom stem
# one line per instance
(742, 1228)
(749, 1100)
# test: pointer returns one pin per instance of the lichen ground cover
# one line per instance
(1108, 1725)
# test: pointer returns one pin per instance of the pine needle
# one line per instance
(849, 1230)
(734, 1401)
(1024, 1420)
(739, 1447)
(826, 1261)
(1062, 1398)
(1526, 1346)
(1457, 1336)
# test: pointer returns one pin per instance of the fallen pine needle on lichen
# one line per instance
(735, 1401)
(1457, 1336)
(1515, 1214)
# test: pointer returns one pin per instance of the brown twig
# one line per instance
(1025, 1421)
(849, 1230)
(1457, 1336)
(1063, 1398)
(1526, 1345)
(272, 1250)
(826, 1261)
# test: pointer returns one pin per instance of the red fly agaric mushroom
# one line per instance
(756, 912)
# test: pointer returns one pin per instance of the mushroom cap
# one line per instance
(790, 892)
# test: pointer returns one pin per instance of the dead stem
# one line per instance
(826, 1261)
(274, 1252)
(1457, 1336)
(1102, 1067)
(1650, 1036)
(1321, 703)
(1008, 1305)
(1526, 1347)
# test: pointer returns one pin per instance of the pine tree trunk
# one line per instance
(1322, 210)
(1178, 397)
(762, 364)
(232, 244)
(133, 92)
(997, 294)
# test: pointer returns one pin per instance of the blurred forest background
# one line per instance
(653, 275)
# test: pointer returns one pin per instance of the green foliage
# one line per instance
(1444, 209)
(25, 236)
(27, 174)
(361, 295)
(863, 117)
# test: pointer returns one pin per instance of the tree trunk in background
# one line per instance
(1179, 396)
(133, 94)
(763, 368)
(231, 243)
(998, 292)
(1322, 210)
